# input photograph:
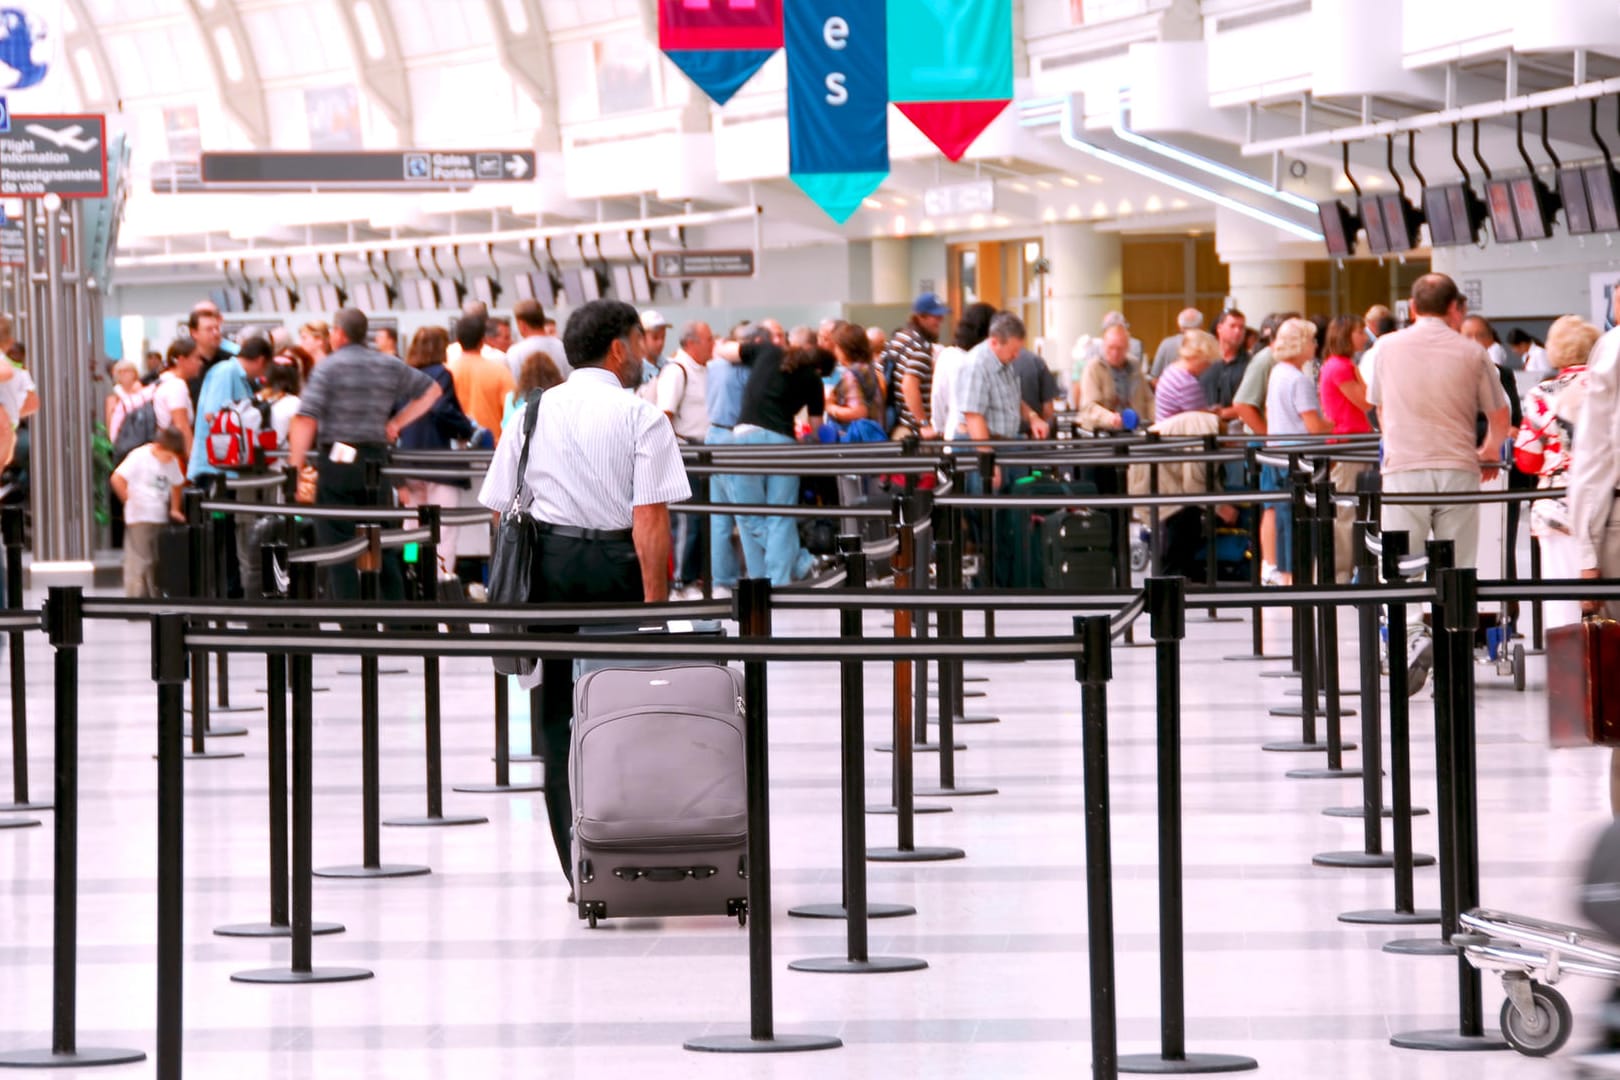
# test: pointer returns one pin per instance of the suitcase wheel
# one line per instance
(593, 910)
(739, 908)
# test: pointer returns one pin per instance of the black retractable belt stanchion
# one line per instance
(1300, 621)
(1093, 671)
(1251, 475)
(918, 506)
(224, 533)
(1538, 641)
(753, 599)
(948, 523)
(1315, 533)
(202, 587)
(987, 535)
(169, 672)
(432, 699)
(950, 687)
(302, 677)
(64, 623)
(374, 497)
(503, 749)
(1327, 653)
(1211, 559)
(1458, 610)
(273, 575)
(1441, 555)
(1155, 548)
(1402, 857)
(903, 791)
(11, 530)
(855, 907)
(1305, 635)
(371, 866)
(1166, 606)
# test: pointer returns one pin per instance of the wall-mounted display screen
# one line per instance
(1603, 197)
(1530, 209)
(1399, 225)
(1338, 228)
(1577, 208)
(1499, 201)
(1372, 216)
(1437, 208)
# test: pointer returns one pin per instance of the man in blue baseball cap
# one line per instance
(908, 367)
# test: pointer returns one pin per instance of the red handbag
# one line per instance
(1583, 683)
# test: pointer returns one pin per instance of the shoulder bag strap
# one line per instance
(531, 414)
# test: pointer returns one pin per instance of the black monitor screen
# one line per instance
(1600, 192)
(1397, 223)
(1372, 216)
(1499, 200)
(1463, 221)
(574, 287)
(1336, 233)
(1577, 211)
(1527, 208)
(1437, 207)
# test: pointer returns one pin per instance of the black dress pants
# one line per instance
(571, 571)
(345, 485)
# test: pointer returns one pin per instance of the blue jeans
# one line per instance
(722, 556)
(1273, 478)
(770, 544)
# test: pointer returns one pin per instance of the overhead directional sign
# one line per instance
(675, 265)
(394, 170)
(54, 155)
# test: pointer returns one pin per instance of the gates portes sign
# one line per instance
(54, 155)
(394, 170)
(676, 265)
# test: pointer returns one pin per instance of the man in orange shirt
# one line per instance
(481, 384)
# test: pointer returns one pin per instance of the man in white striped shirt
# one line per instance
(602, 472)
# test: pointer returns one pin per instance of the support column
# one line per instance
(1085, 283)
(891, 272)
(1266, 266)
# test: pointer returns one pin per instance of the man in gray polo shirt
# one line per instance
(348, 411)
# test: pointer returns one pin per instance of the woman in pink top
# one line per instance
(1344, 405)
(1543, 448)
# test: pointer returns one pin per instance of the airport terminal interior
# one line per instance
(454, 455)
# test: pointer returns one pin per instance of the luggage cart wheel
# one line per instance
(1545, 1030)
(1518, 667)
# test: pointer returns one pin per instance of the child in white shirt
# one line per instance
(149, 482)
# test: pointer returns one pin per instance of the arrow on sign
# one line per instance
(518, 167)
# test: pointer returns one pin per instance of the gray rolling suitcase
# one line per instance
(659, 791)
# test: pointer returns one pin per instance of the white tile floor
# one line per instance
(483, 971)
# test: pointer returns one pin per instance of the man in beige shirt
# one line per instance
(1429, 385)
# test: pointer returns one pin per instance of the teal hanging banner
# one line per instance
(951, 67)
(838, 123)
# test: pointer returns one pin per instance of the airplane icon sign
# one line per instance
(70, 138)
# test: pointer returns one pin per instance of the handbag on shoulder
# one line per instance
(517, 542)
(1583, 683)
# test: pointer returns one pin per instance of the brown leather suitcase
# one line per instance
(1583, 683)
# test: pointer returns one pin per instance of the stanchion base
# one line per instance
(83, 1057)
(287, 977)
(1359, 812)
(440, 822)
(204, 755)
(1448, 1041)
(1208, 618)
(1323, 774)
(222, 732)
(1258, 658)
(380, 671)
(876, 965)
(922, 854)
(366, 872)
(1297, 711)
(916, 748)
(1391, 917)
(973, 718)
(747, 1044)
(313, 690)
(497, 789)
(1302, 747)
(839, 911)
(524, 759)
(1295, 691)
(24, 807)
(228, 710)
(1192, 1064)
(1362, 860)
(1290, 674)
(920, 808)
(947, 792)
(271, 930)
(1420, 947)
(18, 823)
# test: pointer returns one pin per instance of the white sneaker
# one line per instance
(720, 592)
(686, 592)
(477, 593)
(1269, 575)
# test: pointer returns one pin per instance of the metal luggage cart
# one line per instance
(1532, 956)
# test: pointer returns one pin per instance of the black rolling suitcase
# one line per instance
(1077, 549)
(1020, 550)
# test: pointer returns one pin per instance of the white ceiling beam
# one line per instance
(86, 37)
(525, 53)
(379, 64)
(225, 42)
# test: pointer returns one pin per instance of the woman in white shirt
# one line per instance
(971, 329)
(282, 383)
(127, 396)
(171, 396)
